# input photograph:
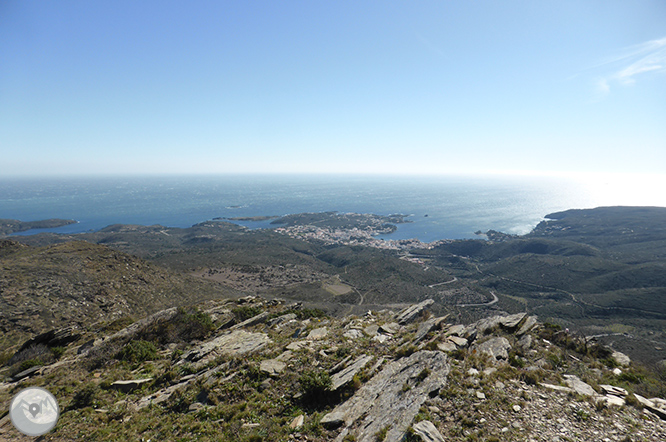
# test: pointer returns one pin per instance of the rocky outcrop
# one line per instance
(238, 342)
(391, 399)
(345, 376)
(130, 385)
(412, 312)
(496, 348)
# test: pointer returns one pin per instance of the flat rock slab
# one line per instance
(512, 321)
(579, 386)
(130, 385)
(427, 432)
(455, 330)
(425, 328)
(353, 334)
(391, 328)
(345, 376)
(318, 333)
(460, 342)
(613, 390)
(272, 366)
(238, 342)
(384, 402)
(496, 348)
(412, 312)
(528, 325)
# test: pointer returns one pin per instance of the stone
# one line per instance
(480, 395)
(621, 359)
(333, 420)
(297, 422)
(196, 406)
(54, 338)
(579, 386)
(353, 334)
(512, 321)
(427, 432)
(528, 325)
(296, 345)
(425, 328)
(391, 328)
(272, 366)
(472, 372)
(280, 319)
(557, 387)
(460, 342)
(516, 408)
(447, 346)
(371, 330)
(383, 402)
(612, 400)
(238, 342)
(381, 338)
(345, 376)
(496, 348)
(131, 385)
(617, 371)
(613, 390)
(409, 314)
(26, 373)
(525, 342)
(318, 333)
(455, 330)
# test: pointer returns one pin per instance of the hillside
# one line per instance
(265, 370)
(79, 283)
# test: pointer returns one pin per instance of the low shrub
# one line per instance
(137, 351)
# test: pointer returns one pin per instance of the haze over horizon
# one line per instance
(370, 87)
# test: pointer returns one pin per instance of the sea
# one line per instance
(439, 207)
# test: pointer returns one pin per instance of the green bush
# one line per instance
(315, 386)
(137, 351)
(186, 326)
(88, 396)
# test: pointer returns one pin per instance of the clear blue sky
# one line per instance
(332, 86)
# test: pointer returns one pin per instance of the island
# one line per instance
(9, 226)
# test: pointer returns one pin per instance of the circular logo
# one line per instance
(34, 411)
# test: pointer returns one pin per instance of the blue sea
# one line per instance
(452, 207)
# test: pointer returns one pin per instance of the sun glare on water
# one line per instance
(623, 189)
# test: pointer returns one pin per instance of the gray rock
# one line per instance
(130, 385)
(512, 321)
(613, 390)
(318, 333)
(412, 312)
(425, 328)
(529, 323)
(621, 359)
(460, 342)
(427, 432)
(272, 366)
(525, 343)
(579, 386)
(447, 346)
(26, 373)
(280, 319)
(258, 319)
(345, 376)
(353, 334)
(383, 402)
(455, 330)
(496, 348)
(371, 330)
(390, 328)
(333, 420)
(238, 342)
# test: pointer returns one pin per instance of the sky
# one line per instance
(371, 87)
